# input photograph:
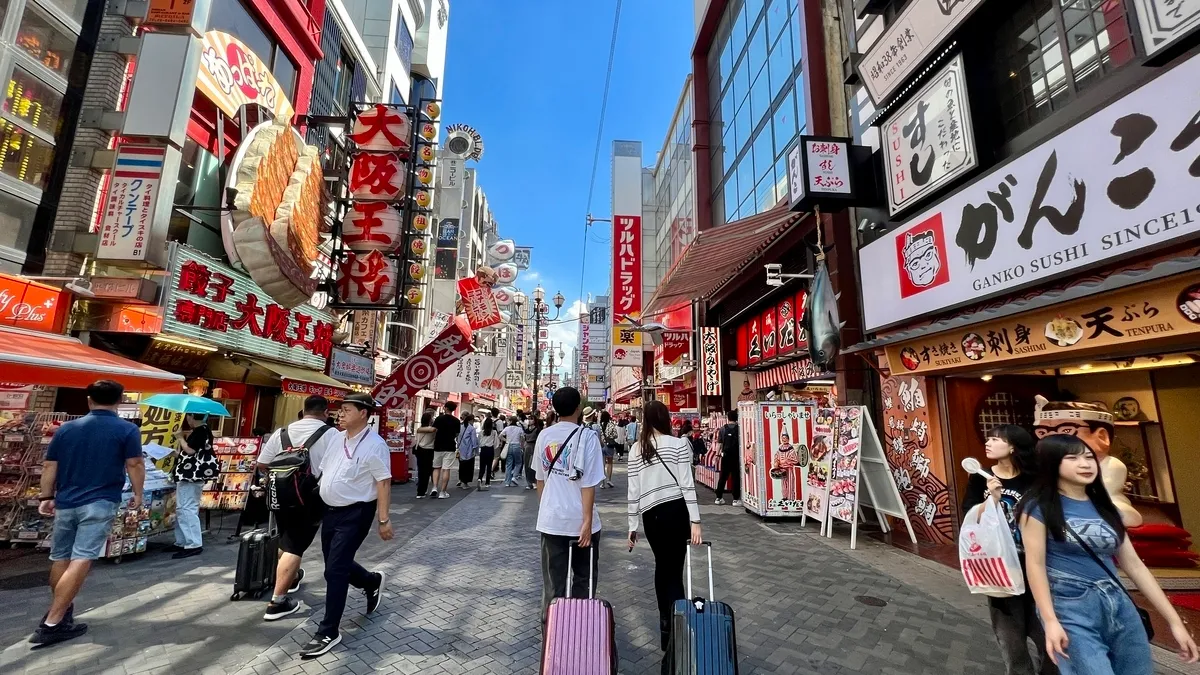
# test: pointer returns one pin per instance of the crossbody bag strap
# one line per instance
(664, 465)
(1096, 558)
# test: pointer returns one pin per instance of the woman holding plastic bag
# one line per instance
(1014, 621)
(1072, 532)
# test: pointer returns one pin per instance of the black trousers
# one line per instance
(424, 468)
(343, 530)
(554, 568)
(530, 473)
(466, 470)
(730, 471)
(487, 456)
(668, 528)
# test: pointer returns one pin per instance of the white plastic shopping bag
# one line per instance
(987, 553)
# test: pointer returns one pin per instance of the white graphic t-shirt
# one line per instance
(561, 508)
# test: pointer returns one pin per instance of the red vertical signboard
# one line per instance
(627, 267)
(768, 333)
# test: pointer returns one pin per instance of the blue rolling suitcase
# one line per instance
(703, 640)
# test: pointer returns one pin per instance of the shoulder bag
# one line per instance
(1142, 614)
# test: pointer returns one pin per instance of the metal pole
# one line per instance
(537, 356)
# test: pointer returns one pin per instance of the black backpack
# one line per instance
(290, 480)
(730, 440)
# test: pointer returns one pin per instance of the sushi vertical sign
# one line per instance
(627, 253)
(128, 218)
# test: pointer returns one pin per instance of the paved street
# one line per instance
(463, 597)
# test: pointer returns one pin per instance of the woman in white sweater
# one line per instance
(663, 495)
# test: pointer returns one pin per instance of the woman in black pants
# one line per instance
(488, 443)
(424, 452)
(663, 495)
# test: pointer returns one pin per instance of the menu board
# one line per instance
(816, 500)
(230, 490)
(843, 487)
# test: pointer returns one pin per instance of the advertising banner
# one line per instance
(416, 372)
(783, 455)
(710, 361)
(129, 206)
(1086, 196)
(820, 461)
(346, 366)
(478, 303)
(159, 427)
(232, 75)
(843, 479)
(753, 483)
(474, 374)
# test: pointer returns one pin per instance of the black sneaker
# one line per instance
(278, 610)
(296, 584)
(188, 552)
(318, 646)
(49, 635)
(433, 495)
(374, 595)
(174, 548)
(69, 617)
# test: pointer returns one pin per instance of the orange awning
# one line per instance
(51, 360)
(718, 255)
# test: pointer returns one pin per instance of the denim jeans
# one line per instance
(513, 464)
(80, 533)
(1106, 634)
(187, 514)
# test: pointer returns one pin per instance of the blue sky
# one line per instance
(529, 76)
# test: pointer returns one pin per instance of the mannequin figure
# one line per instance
(1093, 424)
(486, 276)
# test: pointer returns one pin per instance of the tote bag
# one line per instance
(987, 553)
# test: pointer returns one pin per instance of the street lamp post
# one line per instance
(540, 311)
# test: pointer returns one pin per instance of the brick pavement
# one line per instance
(464, 597)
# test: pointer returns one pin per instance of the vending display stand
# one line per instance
(775, 453)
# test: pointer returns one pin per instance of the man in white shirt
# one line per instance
(356, 486)
(298, 526)
(513, 439)
(568, 464)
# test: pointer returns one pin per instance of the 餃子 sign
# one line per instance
(1119, 182)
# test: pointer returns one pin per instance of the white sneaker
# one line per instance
(444, 495)
(719, 502)
(737, 502)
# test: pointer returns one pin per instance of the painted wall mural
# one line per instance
(913, 444)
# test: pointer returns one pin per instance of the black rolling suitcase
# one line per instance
(258, 554)
(703, 640)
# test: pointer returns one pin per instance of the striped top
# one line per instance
(652, 484)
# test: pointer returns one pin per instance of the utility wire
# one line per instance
(612, 51)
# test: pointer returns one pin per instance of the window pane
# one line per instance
(726, 62)
(24, 156)
(794, 29)
(731, 202)
(781, 179)
(45, 40)
(16, 220)
(729, 149)
(747, 208)
(737, 33)
(784, 122)
(744, 126)
(764, 194)
(781, 64)
(757, 50)
(285, 72)
(1030, 73)
(3, 11)
(231, 16)
(763, 156)
(727, 106)
(404, 43)
(30, 100)
(760, 97)
(746, 176)
(801, 108)
(72, 8)
(741, 80)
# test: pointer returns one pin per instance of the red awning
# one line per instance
(720, 254)
(52, 360)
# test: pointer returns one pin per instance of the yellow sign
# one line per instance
(518, 402)
(159, 426)
(170, 12)
(231, 76)
(1160, 309)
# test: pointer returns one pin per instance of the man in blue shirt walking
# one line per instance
(82, 479)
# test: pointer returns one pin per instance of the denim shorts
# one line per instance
(80, 533)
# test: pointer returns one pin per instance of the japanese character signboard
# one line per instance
(819, 173)
(170, 12)
(213, 304)
(626, 290)
(129, 206)
(514, 379)
(416, 372)
(478, 304)
(31, 305)
(669, 356)
(710, 361)
(473, 374)
(1118, 182)
(904, 45)
(232, 75)
(1165, 21)
(913, 448)
(522, 256)
(346, 366)
(1166, 308)
(929, 142)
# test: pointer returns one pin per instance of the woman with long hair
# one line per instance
(690, 433)
(609, 440)
(1014, 620)
(663, 495)
(1072, 532)
(424, 452)
(468, 445)
(488, 442)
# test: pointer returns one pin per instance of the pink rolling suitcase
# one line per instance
(580, 635)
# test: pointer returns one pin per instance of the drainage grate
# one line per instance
(870, 601)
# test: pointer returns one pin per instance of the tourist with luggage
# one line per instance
(512, 441)
(468, 447)
(489, 441)
(82, 478)
(445, 449)
(730, 440)
(662, 496)
(356, 486)
(196, 465)
(424, 453)
(568, 465)
(610, 440)
(1072, 533)
(292, 459)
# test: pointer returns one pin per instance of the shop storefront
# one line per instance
(1121, 340)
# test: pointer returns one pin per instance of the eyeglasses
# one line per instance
(1068, 428)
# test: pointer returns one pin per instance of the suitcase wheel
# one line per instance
(235, 596)
(258, 595)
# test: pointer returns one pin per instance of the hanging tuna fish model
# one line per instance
(821, 320)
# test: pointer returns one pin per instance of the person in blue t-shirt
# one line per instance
(1072, 532)
(82, 479)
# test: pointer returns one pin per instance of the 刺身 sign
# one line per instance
(1116, 183)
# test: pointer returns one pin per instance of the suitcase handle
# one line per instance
(708, 545)
(571, 546)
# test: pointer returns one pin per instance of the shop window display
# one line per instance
(32, 101)
(23, 156)
(45, 40)
(16, 220)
